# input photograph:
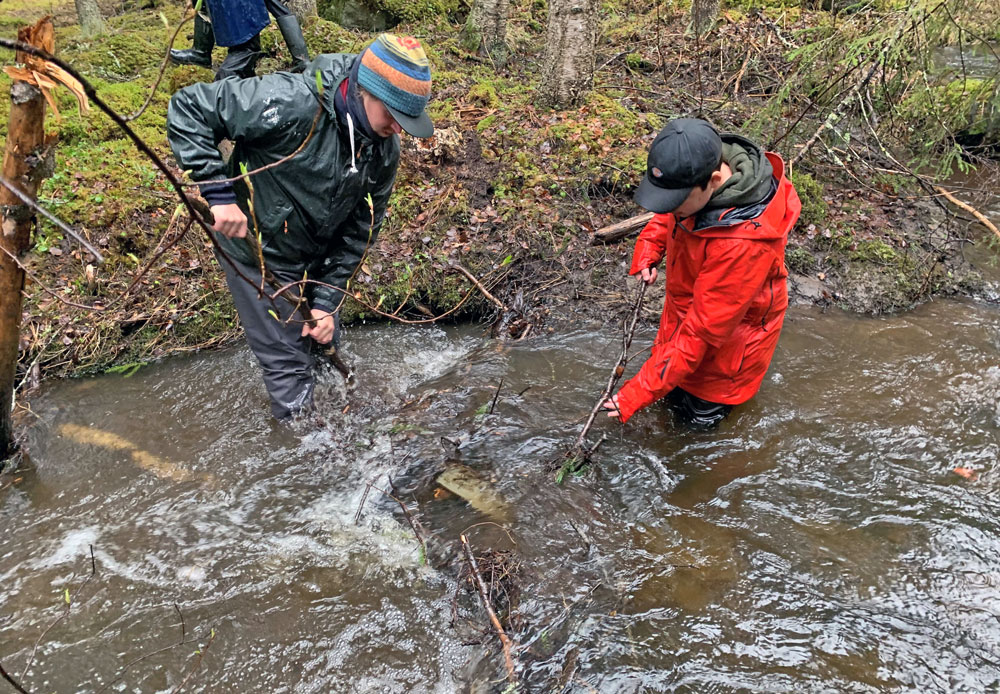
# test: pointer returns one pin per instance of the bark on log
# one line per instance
(619, 230)
(22, 165)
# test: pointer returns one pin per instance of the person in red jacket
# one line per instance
(723, 209)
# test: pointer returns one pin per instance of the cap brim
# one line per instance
(652, 197)
(418, 126)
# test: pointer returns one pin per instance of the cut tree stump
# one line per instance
(24, 166)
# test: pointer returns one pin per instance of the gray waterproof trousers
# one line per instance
(287, 358)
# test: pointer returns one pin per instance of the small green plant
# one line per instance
(573, 465)
(125, 370)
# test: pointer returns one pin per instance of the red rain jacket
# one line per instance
(725, 302)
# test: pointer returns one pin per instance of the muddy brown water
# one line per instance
(819, 541)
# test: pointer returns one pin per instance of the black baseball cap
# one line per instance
(684, 154)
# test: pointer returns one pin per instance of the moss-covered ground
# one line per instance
(509, 191)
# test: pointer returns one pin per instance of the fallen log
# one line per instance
(620, 230)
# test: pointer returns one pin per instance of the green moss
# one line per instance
(965, 106)
(798, 260)
(182, 76)
(627, 25)
(442, 113)
(98, 184)
(874, 251)
(814, 207)
(634, 61)
(486, 123)
(323, 36)
(484, 94)
(122, 57)
(415, 10)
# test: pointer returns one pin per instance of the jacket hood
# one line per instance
(762, 220)
(332, 68)
(751, 178)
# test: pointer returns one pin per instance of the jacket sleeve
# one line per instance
(360, 230)
(733, 273)
(652, 243)
(202, 115)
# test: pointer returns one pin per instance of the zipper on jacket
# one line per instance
(663, 371)
(763, 320)
(676, 328)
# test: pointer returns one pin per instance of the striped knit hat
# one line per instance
(395, 70)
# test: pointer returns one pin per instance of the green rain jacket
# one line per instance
(312, 211)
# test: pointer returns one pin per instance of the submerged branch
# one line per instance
(65, 612)
(484, 598)
(10, 680)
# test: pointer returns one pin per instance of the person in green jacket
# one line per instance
(313, 212)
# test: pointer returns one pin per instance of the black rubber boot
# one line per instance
(200, 52)
(296, 42)
(241, 61)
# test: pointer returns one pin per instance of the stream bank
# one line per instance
(509, 191)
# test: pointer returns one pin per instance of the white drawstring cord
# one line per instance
(350, 131)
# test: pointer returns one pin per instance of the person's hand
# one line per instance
(648, 275)
(325, 325)
(230, 221)
(611, 405)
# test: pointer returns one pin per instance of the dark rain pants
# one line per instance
(287, 358)
(693, 410)
(241, 60)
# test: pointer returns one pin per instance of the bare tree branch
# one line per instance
(52, 218)
(188, 16)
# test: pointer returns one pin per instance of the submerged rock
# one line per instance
(477, 491)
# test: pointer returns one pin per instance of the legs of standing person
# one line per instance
(241, 60)
(284, 355)
(693, 410)
(291, 32)
(200, 52)
(277, 9)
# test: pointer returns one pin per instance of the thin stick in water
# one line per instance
(616, 373)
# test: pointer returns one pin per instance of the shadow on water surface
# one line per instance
(817, 541)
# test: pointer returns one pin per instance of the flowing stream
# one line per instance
(818, 541)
